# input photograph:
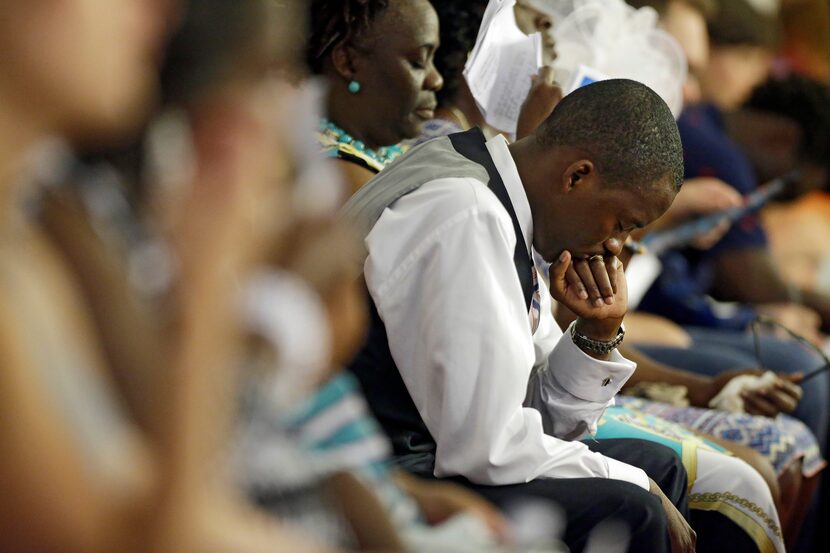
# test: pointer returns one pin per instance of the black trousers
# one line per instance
(587, 502)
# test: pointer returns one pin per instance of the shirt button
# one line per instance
(607, 381)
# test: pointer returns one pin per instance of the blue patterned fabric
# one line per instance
(630, 422)
(782, 440)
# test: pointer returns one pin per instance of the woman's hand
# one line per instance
(542, 97)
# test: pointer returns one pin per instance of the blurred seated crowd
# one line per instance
(273, 281)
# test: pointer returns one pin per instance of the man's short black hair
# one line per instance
(626, 128)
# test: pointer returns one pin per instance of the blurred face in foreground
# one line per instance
(81, 67)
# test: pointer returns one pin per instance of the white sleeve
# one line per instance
(443, 280)
(573, 389)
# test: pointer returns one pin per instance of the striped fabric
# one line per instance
(282, 477)
(535, 304)
(337, 428)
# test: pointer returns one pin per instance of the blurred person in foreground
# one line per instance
(301, 279)
(79, 473)
(76, 473)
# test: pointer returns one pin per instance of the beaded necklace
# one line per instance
(382, 156)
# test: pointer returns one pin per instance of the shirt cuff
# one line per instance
(588, 378)
(617, 470)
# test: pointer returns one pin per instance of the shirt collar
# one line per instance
(497, 146)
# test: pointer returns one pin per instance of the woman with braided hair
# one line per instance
(376, 56)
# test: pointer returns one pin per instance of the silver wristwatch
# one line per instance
(599, 347)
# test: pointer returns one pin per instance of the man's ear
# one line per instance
(344, 61)
(578, 174)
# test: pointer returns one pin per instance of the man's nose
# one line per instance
(614, 245)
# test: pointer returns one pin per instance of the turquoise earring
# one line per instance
(354, 87)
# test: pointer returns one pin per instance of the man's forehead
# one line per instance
(642, 204)
(657, 198)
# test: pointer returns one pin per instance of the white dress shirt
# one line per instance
(440, 270)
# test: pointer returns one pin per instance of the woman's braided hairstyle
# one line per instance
(336, 21)
(460, 21)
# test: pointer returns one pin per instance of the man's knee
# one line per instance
(659, 462)
(663, 464)
(588, 503)
(641, 511)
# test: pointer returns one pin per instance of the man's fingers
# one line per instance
(583, 269)
(573, 280)
(602, 278)
(558, 269)
(563, 276)
(615, 271)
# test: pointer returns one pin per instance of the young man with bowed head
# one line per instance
(465, 366)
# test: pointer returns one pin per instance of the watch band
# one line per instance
(589, 345)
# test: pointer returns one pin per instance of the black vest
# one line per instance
(374, 367)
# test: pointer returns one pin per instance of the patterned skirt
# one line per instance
(718, 481)
(783, 440)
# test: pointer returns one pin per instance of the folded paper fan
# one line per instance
(606, 39)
